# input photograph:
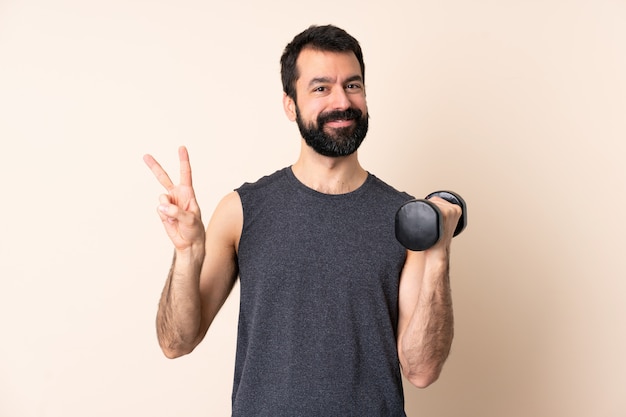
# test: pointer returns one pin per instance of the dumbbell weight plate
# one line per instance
(418, 225)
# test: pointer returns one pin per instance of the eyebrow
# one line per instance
(325, 80)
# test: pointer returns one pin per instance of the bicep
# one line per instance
(219, 270)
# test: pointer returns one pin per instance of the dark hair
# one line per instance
(323, 38)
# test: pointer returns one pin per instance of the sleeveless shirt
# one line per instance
(318, 314)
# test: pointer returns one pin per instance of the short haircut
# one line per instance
(322, 38)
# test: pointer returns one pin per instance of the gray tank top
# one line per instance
(319, 280)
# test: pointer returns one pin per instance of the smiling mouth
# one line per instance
(340, 118)
(340, 122)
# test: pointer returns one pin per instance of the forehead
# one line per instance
(312, 64)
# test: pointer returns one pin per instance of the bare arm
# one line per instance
(180, 307)
(425, 326)
(203, 271)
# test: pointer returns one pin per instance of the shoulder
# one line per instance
(388, 190)
(227, 219)
(266, 191)
(229, 203)
(263, 182)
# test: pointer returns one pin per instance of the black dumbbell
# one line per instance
(419, 224)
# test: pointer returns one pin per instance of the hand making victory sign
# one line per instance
(178, 209)
(197, 284)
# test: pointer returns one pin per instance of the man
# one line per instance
(332, 308)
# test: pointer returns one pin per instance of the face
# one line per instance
(331, 110)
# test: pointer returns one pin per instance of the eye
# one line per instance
(319, 89)
(354, 87)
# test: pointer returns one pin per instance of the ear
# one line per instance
(289, 105)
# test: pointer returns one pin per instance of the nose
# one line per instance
(340, 99)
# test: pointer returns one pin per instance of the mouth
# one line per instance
(340, 119)
(339, 123)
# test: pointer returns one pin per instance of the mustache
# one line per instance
(348, 114)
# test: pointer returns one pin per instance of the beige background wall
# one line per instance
(518, 105)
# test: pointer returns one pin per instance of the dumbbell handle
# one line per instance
(453, 198)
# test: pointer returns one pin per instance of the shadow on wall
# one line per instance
(503, 284)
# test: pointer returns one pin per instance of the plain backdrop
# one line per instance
(517, 105)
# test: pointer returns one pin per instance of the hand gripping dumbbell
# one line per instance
(419, 223)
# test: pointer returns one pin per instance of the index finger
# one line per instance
(158, 172)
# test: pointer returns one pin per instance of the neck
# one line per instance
(329, 175)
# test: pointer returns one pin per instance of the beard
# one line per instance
(342, 141)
